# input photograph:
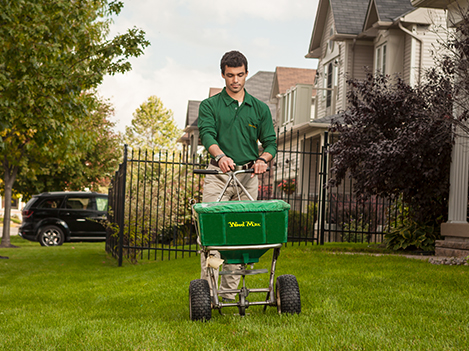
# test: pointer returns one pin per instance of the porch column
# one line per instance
(456, 230)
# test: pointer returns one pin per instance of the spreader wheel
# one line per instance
(288, 294)
(200, 307)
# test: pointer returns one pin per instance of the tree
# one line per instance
(153, 127)
(52, 54)
(97, 153)
(395, 140)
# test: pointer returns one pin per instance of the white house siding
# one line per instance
(407, 55)
(337, 53)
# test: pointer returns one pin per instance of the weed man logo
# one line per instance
(244, 224)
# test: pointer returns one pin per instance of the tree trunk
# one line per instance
(8, 179)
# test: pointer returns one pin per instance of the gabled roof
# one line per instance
(260, 84)
(385, 12)
(348, 15)
(287, 77)
(192, 115)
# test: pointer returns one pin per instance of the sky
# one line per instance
(188, 39)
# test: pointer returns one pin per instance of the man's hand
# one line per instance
(259, 167)
(226, 164)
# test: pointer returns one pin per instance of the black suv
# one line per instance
(55, 217)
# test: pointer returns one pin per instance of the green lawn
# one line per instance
(74, 297)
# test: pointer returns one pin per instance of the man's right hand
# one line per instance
(226, 164)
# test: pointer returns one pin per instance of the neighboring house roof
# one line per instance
(385, 12)
(287, 77)
(192, 114)
(348, 15)
(259, 85)
(389, 10)
(191, 120)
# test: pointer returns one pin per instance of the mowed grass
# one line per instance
(74, 297)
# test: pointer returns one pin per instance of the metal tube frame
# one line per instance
(243, 293)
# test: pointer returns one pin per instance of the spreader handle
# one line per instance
(206, 171)
(214, 171)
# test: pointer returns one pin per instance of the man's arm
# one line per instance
(226, 164)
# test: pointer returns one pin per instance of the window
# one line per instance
(79, 203)
(381, 59)
(331, 72)
(101, 203)
(50, 203)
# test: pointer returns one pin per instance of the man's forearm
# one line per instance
(266, 156)
(215, 150)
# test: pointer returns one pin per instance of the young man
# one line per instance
(230, 124)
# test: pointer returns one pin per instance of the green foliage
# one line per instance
(303, 222)
(153, 127)
(53, 54)
(407, 234)
(411, 235)
(94, 148)
(157, 203)
(355, 230)
(394, 139)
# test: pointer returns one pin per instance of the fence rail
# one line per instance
(151, 195)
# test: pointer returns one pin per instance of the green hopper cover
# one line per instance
(241, 206)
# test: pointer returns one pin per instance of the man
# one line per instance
(230, 124)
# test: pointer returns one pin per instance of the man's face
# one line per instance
(235, 77)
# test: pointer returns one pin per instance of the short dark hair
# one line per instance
(233, 59)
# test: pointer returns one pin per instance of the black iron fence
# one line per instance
(151, 196)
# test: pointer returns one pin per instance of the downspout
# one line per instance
(353, 57)
(405, 30)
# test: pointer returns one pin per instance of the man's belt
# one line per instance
(246, 166)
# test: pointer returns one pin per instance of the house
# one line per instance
(456, 230)
(259, 86)
(351, 37)
(390, 36)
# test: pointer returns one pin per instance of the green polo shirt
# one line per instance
(236, 129)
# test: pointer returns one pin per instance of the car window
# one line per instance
(30, 203)
(101, 203)
(79, 203)
(50, 203)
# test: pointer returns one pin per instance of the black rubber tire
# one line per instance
(51, 235)
(288, 294)
(241, 307)
(200, 306)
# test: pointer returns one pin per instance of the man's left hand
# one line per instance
(259, 167)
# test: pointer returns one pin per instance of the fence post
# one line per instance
(122, 206)
(323, 189)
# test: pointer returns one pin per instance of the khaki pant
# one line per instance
(213, 187)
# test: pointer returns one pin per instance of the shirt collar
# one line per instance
(228, 99)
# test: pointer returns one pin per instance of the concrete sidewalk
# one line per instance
(13, 230)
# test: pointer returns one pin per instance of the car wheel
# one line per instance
(200, 306)
(288, 294)
(51, 235)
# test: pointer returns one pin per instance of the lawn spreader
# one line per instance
(242, 231)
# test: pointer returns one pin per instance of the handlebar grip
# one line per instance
(206, 171)
(251, 170)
